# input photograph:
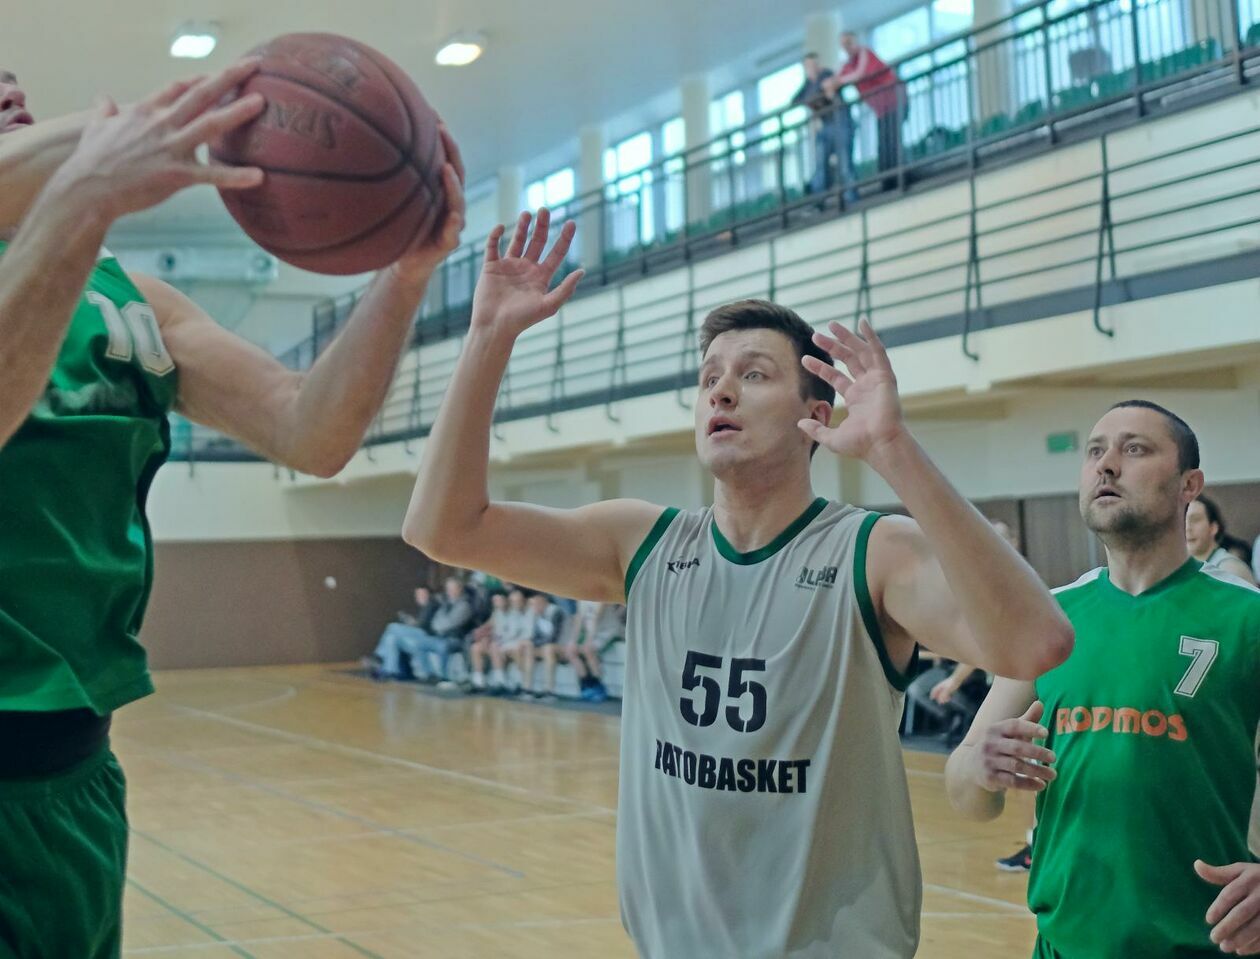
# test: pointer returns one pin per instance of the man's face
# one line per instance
(422, 596)
(849, 44)
(1201, 532)
(13, 112)
(499, 601)
(454, 589)
(516, 600)
(750, 401)
(538, 603)
(1132, 489)
(811, 68)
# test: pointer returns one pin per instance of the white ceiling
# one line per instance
(549, 68)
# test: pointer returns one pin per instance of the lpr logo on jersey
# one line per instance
(824, 576)
(681, 565)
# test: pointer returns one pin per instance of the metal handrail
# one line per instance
(527, 377)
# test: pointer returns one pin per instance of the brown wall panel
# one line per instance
(265, 602)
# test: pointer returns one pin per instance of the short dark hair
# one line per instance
(1214, 516)
(810, 56)
(1183, 436)
(764, 315)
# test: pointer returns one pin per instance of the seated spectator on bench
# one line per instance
(951, 693)
(402, 636)
(490, 640)
(447, 622)
(546, 625)
(594, 626)
(516, 629)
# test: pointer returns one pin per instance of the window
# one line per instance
(673, 136)
(552, 190)
(726, 113)
(950, 17)
(938, 81)
(629, 191)
(1086, 42)
(673, 142)
(774, 92)
(899, 37)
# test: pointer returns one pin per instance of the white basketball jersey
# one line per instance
(763, 808)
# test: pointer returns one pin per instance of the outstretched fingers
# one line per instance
(517, 246)
(538, 242)
(827, 373)
(561, 248)
(492, 243)
(561, 294)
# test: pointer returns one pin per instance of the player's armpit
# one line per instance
(581, 553)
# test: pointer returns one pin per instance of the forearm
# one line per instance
(28, 157)
(451, 491)
(42, 275)
(1017, 625)
(966, 795)
(341, 394)
(961, 672)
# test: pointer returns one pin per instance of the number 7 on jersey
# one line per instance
(1204, 652)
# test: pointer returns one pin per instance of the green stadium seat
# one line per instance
(994, 125)
(1030, 113)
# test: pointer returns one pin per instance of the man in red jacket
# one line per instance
(880, 90)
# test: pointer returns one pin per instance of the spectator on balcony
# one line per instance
(881, 90)
(833, 129)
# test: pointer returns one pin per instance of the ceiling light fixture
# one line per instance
(461, 50)
(194, 41)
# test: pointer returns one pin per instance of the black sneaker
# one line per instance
(1020, 861)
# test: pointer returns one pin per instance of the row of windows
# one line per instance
(647, 184)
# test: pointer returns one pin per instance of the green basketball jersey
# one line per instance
(1153, 719)
(76, 556)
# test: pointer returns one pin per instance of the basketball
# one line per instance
(351, 152)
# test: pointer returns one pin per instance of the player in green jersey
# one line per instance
(1141, 746)
(91, 362)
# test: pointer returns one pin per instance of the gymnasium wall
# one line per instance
(266, 602)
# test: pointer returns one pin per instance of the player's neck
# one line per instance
(1136, 570)
(750, 515)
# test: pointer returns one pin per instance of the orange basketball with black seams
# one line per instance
(352, 155)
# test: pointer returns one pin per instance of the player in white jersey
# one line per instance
(763, 807)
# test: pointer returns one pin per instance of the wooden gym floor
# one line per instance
(298, 811)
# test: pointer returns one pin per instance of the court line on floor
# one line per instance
(317, 743)
(379, 828)
(176, 911)
(926, 773)
(976, 897)
(343, 903)
(251, 893)
(392, 930)
(539, 711)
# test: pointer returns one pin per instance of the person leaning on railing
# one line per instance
(833, 128)
(881, 90)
